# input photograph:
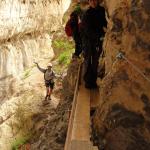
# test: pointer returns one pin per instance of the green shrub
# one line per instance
(63, 48)
(64, 58)
(26, 73)
(18, 142)
(63, 44)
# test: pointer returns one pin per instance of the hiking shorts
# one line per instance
(49, 84)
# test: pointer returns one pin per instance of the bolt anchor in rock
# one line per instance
(120, 55)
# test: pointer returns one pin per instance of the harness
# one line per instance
(51, 75)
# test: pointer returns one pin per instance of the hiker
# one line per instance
(92, 35)
(49, 76)
(75, 22)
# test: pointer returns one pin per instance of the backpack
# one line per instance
(68, 29)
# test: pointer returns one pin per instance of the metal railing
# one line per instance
(70, 125)
(120, 56)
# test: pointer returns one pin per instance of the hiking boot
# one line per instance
(46, 97)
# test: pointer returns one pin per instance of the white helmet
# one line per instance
(49, 65)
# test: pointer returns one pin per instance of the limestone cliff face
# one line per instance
(122, 121)
(20, 17)
(18, 55)
(25, 28)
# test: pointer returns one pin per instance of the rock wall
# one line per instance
(18, 55)
(26, 16)
(25, 28)
(122, 120)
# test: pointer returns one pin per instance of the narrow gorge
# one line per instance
(28, 29)
(26, 32)
(25, 36)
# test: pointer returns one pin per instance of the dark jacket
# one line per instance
(93, 22)
(74, 23)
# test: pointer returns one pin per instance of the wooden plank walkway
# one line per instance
(81, 122)
(94, 98)
(78, 135)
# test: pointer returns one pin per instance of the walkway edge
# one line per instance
(70, 125)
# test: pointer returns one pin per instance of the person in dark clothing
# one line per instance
(73, 25)
(93, 24)
(76, 33)
(76, 21)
